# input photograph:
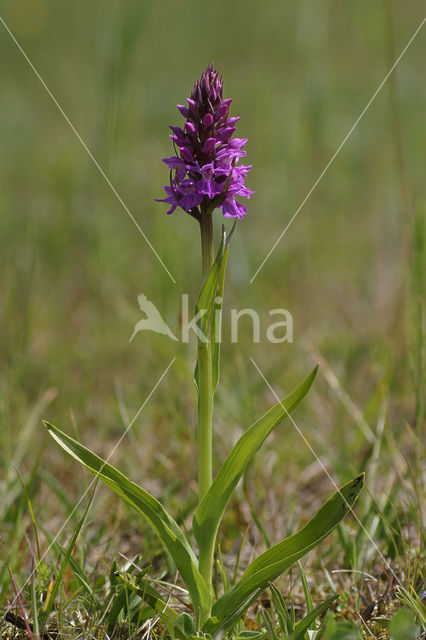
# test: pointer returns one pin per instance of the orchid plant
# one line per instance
(206, 174)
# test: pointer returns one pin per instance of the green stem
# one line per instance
(205, 416)
(205, 398)
(205, 383)
(207, 249)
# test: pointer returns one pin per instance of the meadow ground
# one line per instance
(350, 269)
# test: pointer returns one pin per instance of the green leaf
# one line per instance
(205, 303)
(306, 622)
(147, 593)
(76, 568)
(207, 295)
(217, 322)
(270, 564)
(186, 624)
(212, 290)
(403, 625)
(152, 511)
(342, 630)
(269, 626)
(152, 597)
(308, 598)
(413, 601)
(285, 621)
(209, 513)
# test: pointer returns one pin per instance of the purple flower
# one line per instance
(204, 173)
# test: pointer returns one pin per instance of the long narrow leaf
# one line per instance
(270, 564)
(76, 568)
(306, 622)
(205, 302)
(148, 594)
(152, 511)
(207, 295)
(210, 511)
(216, 326)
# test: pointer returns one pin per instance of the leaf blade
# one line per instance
(216, 326)
(208, 291)
(151, 510)
(306, 623)
(270, 564)
(209, 513)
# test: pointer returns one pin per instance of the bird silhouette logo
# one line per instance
(153, 320)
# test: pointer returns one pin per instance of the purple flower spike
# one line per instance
(209, 145)
(222, 111)
(204, 173)
(207, 121)
(183, 110)
(190, 128)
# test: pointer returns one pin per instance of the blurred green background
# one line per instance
(72, 261)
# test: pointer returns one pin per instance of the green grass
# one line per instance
(350, 269)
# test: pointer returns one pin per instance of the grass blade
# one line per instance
(76, 568)
(308, 598)
(58, 582)
(307, 622)
(34, 607)
(154, 600)
(284, 620)
(28, 627)
(147, 593)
